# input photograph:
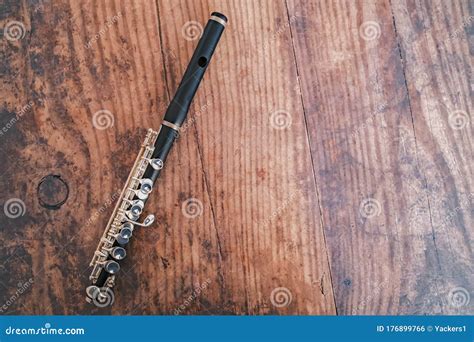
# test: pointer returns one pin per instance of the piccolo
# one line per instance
(146, 170)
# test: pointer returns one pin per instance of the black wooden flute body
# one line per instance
(146, 170)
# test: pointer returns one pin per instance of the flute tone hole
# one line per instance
(202, 61)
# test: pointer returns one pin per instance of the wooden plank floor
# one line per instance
(326, 166)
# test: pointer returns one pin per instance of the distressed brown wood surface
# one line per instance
(257, 230)
(392, 250)
(318, 173)
(69, 81)
(439, 35)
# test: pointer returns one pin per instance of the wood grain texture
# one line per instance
(436, 43)
(371, 168)
(262, 197)
(325, 167)
(257, 230)
(86, 62)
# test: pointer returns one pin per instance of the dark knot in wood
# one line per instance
(52, 192)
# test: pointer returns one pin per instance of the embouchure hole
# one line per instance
(202, 61)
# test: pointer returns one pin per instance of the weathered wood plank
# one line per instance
(376, 214)
(77, 59)
(107, 56)
(436, 45)
(255, 155)
(356, 111)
